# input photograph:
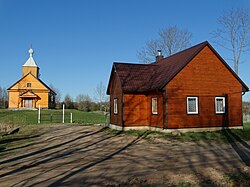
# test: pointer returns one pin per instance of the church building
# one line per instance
(30, 91)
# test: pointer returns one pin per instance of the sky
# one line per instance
(75, 42)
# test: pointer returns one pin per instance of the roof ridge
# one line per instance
(201, 44)
(136, 64)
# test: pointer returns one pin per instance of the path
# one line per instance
(88, 155)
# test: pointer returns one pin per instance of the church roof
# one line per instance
(30, 61)
(39, 80)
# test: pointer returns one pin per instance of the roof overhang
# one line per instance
(28, 94)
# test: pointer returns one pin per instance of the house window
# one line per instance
(28, 84)
(115, 106)
(220, 105)
(192, 105)
(154, 106)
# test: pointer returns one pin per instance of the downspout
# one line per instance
(243, 93)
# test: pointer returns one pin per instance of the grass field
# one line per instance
(27, 117)
(246, 126)
(220, 135)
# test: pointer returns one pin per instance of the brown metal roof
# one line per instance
(155, 76)
(136, 77)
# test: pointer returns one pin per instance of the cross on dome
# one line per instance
(31, 51)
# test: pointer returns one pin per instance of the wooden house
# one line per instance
(30, 91)
(193, 88)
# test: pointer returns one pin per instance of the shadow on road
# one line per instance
(87, 156)
(48, 148)
(91, 164)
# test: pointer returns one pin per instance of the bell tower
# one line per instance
(30, 66)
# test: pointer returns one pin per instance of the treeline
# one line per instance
(83, 102)
(3, 98)
(246, 107)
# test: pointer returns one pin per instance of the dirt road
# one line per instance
(89, 155)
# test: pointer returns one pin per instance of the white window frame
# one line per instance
(196, 105)
(224, 105)
(115, 106)
(154, 103)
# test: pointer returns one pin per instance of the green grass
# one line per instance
(88, 117)
(18, 117)
(196, 136)
(27, 117)
(220, 136)
(237, 179)
(246, 126)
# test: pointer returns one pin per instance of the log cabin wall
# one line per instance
(206, 78)
(116, 93)
(138, 110)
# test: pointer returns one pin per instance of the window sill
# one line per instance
(193, 113)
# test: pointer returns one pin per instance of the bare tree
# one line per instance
(83, 102)
(148, 53)
(171, 40)
(3, 98)
(58, 95)
(100, 93)
(233, 34)
(68, 101)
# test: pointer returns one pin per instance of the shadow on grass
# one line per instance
(240, 146)
(239, 178)
(6, 143)
(10, 139)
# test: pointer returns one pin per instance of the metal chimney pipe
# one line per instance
(159, 52)
(159, 56)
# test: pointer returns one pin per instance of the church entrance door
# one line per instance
(28, 103)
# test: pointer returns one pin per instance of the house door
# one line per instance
(28, 103)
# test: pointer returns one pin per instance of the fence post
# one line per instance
(106, 119)
(63, 114)
(51, 118)
(71, 117)
(39, 114)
